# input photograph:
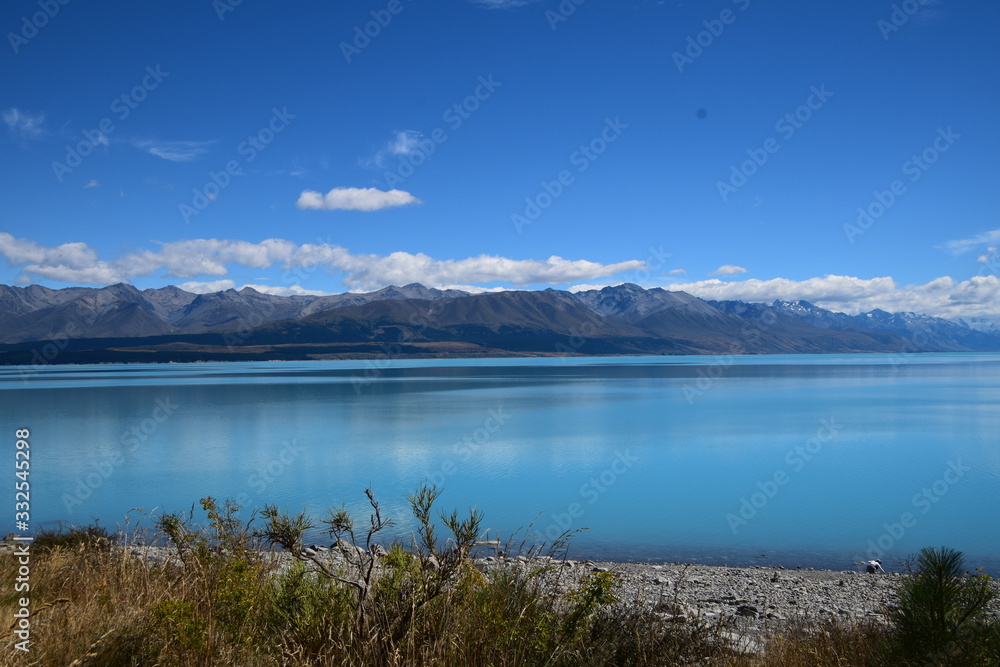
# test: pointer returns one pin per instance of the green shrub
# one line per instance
(94, 536)
(941, 617)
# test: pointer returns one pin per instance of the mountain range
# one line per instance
(120, 323)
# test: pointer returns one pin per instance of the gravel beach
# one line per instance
(751, 601)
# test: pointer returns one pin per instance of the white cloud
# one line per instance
(475, 289)
(676, 272)
(355, 199)
(941, 297)
(585, 288)
(69, 262)
(195, 258)
(93, 184)
(174, 151)
(24, 126)
(728, 270)
(208, 287)
(960, 246)
(196, 287)
(400, 268)
(294, 290)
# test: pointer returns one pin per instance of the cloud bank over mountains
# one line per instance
(195, 258)
(978, 296)
(206, 265)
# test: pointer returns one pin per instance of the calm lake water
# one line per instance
(805, 460)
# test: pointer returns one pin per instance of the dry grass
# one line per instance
(228, 605)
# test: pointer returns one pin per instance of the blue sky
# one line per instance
(724, 148)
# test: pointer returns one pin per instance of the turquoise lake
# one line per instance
(812, 461)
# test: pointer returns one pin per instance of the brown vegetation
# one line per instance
(222, 599)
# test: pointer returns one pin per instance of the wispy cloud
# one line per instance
(403, 143)
(728, 270)
(297, 169)
(676, 272)
(960, 246)
(24, 126)
(355, 199)
(175, 151)
(93, 183)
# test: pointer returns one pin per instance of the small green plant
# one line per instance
(227, 533)
(179, 622)
(594, 592)
(93, 536)
(942, 609)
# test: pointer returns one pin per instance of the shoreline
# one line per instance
(743, 606)
(750, 600)
(444, 356)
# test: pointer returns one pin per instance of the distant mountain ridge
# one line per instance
(36, 312)
(120, 322)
